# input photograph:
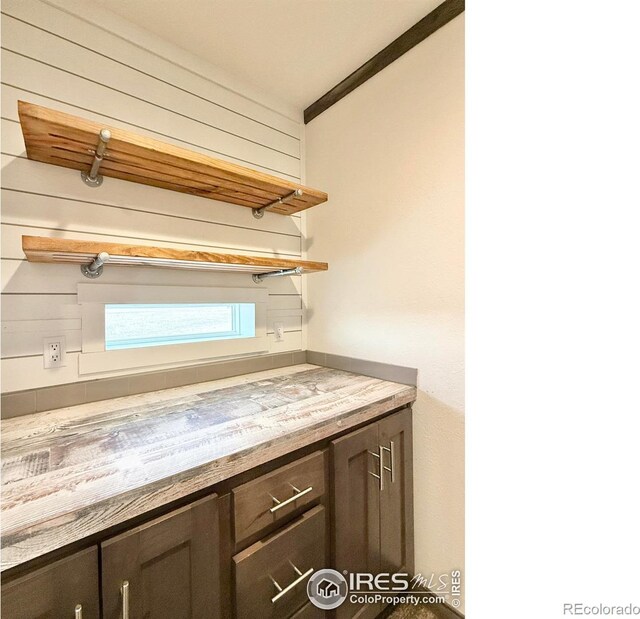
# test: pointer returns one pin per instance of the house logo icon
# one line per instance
(327, 589)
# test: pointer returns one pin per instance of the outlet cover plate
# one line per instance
(278, 330)
(50, 359)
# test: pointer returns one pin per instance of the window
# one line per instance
(126, 327)
(154, 324)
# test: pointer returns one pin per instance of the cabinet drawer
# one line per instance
(56, 590)
(309, 611)
(271, 498)
(286, 557)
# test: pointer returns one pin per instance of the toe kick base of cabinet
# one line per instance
(283, 557)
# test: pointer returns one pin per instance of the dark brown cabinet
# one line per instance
(396, 499)
(356, 509)
(271, 575)
(269, 500)
(250, 551)
(309, 611)
(168, 567)
(372, 480)
(66, 589)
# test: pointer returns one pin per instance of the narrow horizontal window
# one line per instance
(157, 324)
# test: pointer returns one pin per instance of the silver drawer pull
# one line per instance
(78, 614)
(125, 599)
(288, 588)
(298, 493)
(392, 457)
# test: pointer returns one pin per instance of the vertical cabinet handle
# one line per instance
(125, 599)
(380, 477)
(78, 612)
(392, 457)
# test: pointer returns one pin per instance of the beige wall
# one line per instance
(391, 157)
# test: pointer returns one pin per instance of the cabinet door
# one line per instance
(396, 498)
(356, 510)
(167, 568)
(66, 589)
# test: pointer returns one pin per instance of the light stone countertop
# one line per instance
(74, 472)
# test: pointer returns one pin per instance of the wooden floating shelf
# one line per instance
(69, 141)
(55, 250)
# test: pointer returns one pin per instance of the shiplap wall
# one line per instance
(94, 65)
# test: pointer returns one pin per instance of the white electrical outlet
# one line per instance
(278, 329)
(54, 351)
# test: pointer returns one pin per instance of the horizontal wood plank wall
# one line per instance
(55, 58)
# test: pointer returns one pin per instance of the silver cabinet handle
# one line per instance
(288, 588)
(298, 493)
(78, 614)
(380, 477)
(392, 457)
(125, 599)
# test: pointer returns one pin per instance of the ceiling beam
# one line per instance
(440, 16)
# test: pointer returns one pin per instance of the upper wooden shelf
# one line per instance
(69, 141)
(46, 249)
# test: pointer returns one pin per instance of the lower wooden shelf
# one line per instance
(57, 250)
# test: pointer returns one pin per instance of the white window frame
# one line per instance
(241, 315)
(94, 359)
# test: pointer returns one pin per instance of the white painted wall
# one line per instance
(391, 157)
(72, 56)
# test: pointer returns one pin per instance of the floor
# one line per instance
(407, 611)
